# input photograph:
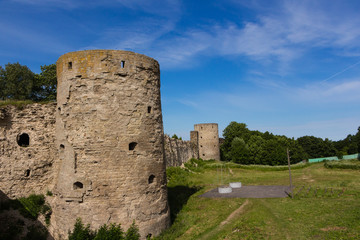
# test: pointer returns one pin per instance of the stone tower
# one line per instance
(207, 136)
(109, 135)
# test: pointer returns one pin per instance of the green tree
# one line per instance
(16, 82)
(255, 148)
(81, 232)
(174, 136)
(111, 232)
(2, 83)
(133, 232)
(232, 131)
(44, 87)
(273, 153)
(239, 151)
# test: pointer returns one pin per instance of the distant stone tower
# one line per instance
(109, 135)
(207, 137)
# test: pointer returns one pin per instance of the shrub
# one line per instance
(105, 232)
(133, 232)
(111, 232)
(81, 232)
(31, 206)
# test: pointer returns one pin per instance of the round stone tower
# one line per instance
(208, 140)
(109, 135)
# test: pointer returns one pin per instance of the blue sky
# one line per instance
(288, 67)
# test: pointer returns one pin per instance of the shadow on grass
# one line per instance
(178, 197)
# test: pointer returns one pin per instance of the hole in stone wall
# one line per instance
(59, 108)
(23, 140)
(148, 236)
(78, 185)
(149, 109)
(151, 179)
(132, 146)
(69, 65)
(62, 146)
(203, 154)
(122, 64)
(27, 173)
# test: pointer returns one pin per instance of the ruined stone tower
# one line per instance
(206, 135)
(109, 135)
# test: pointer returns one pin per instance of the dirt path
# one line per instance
(232, 215)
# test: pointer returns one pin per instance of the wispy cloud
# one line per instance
(346, 90)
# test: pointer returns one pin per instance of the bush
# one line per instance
(343, 164)
(177, 176)
(105, 232)
(133, 232)
(32, 205)
(81, 232)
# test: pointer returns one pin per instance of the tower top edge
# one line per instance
(104, 51)
(205, 124)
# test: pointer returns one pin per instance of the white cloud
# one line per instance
(330, 92)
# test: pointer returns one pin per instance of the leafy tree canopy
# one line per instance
(18, 82)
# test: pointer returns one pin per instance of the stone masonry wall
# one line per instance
(27, 168)
(178, 151)
(208, 140)
(109, 135)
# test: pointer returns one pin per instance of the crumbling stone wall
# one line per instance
(178, 151)
(27, 149)
(208, 140)
(109, 134)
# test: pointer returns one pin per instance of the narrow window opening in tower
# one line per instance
(27, 173)
(122, 64)
(151, 179)
(132, 146)
(69, 65)
(78, 185)
(23, 140)
(149, 109)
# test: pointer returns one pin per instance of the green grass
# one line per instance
(329, 210)
(343, 164)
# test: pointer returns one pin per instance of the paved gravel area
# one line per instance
(251, 192)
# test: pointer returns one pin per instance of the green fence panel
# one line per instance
(345, 157)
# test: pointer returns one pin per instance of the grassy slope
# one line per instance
(308, 216)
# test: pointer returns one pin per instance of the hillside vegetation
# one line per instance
(326, 204)
(245, 146)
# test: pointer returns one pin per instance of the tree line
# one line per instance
(245, 146)
(18, 82)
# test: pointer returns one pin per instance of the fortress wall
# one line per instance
(27, 168)
(208, 140)
(178, 151)
(110, 140)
